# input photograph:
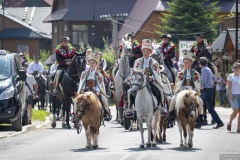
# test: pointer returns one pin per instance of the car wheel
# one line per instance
(17, 125)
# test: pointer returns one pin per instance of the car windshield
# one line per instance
(4, 67)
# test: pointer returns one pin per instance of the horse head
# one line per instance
(191, 104)
(138, 81)
(127, 47)
(81, 102)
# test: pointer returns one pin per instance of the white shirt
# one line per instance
(235, 83)
(33, 67)
(30, 81)
(188, 76)
(146, 62)
(53, 68)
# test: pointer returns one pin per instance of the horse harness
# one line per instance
(193, 108)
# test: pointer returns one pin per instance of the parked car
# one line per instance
(13, 96)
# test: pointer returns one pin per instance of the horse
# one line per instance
(69, 84)
(41, 81)
(123, 73)
(158, 56)
(89, 110)
(144, 106)
(187, 104)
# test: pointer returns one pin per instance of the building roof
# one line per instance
(137, 17)
(82, 10)
(39, 14)
(31, 33)
(50, 60)
(218, 44)
(232, 33)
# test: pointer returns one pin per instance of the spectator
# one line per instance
(219, 89)
(233, 82)
(227, 93)
(35, 67)
(32, 88)
(207, 79)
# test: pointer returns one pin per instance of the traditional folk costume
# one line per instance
(151, 68)
(187, 79)
(92, 80)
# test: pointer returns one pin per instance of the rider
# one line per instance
(136, 49)
(168, 50)
(64, 54)
(187, 79)
(151, 68)
(92, 80)
(35, 67)
(200, 49)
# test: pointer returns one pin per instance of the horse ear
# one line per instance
(196, 94)
(88, 95)
(186, 95)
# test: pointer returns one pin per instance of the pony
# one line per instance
(41, 81)
(187, 104)
(69, 85)
(158, 56)
(123, 73)
(144, 106)
(88, 109)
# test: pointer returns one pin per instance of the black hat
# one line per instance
(65, 38)
(199, 35)
(37, 57)
(166, 36)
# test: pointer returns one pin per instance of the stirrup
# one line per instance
(108, 117)
(128, 113)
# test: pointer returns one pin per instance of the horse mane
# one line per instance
(185, 95)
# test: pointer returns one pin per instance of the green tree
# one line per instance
(185, 18)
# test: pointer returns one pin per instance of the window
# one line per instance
(80, 33)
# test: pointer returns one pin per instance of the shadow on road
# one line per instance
(143, 149)
(6, 128)
(86, 150)
(185, 149)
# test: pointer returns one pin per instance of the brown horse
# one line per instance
(187, 104)
(88, 108)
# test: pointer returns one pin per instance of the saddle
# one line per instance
(155, 92)
(90, 84)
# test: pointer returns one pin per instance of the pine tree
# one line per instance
(185, 18)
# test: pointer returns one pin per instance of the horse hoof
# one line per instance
(63, 125)
(88, 147)
(181, 145)
(67, 126)
(141, 146)
(58, 119)
(164, 139)
(148, 145)
(185, 146)
(190, 145)
(53, 125)
(130, 129)
(95, 147)
(160, 141)
(154, 145)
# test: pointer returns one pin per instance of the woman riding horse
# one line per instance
(92, 80)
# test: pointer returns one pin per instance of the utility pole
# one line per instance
(236, 41)
(93, 26)
(114, 20)
(3, 8)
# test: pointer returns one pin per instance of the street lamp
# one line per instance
(3, 8)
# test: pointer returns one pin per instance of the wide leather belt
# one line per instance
(188, 82)
(90, 83)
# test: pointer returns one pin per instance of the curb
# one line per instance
(27, 128)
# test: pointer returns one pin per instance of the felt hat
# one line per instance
(146, 44)
(188, 55)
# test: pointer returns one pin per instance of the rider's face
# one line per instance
(146, 53)
(92, 64)
(187, 63)
(165, 40)
(64, 43)
(36, 60)
(199, 39)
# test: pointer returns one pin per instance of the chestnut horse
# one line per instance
(187, 104)
(89, 110)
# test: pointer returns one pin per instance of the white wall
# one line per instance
(184, 45)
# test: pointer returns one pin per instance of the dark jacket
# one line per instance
(64, 54)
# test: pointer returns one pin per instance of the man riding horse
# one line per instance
(200, 49)
(92, 80)
(64, 54)
(35, 67)
(187, 79)
(168, 51)
(152, 70)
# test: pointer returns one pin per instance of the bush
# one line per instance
(39, 115)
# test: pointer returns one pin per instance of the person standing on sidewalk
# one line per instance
(32, 89)
(219, 89)
(233, 82)
(207, 79)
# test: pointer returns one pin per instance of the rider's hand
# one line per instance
(68, 63)
(34, 96)
(231, 97)
(82, 91)
(150, 78)
(98, 93)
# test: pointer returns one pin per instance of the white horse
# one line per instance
(123, 73)
(158, 56)
(187, 106)
(144, 105)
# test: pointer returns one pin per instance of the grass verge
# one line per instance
(39, 115)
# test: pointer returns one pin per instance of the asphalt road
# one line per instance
(115, 143)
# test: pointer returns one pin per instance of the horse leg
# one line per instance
(131, 125)
(87, 133)
(156, 120)
(164, 131)
(63, 114)
(161, 130)
(149, 128)
(190, 133)
(140, 120)
(180, 131)
(68, 106)
(185, 127)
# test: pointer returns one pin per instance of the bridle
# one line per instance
(139, 85)
(127, 66)
(79, 105)
(192, 108)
